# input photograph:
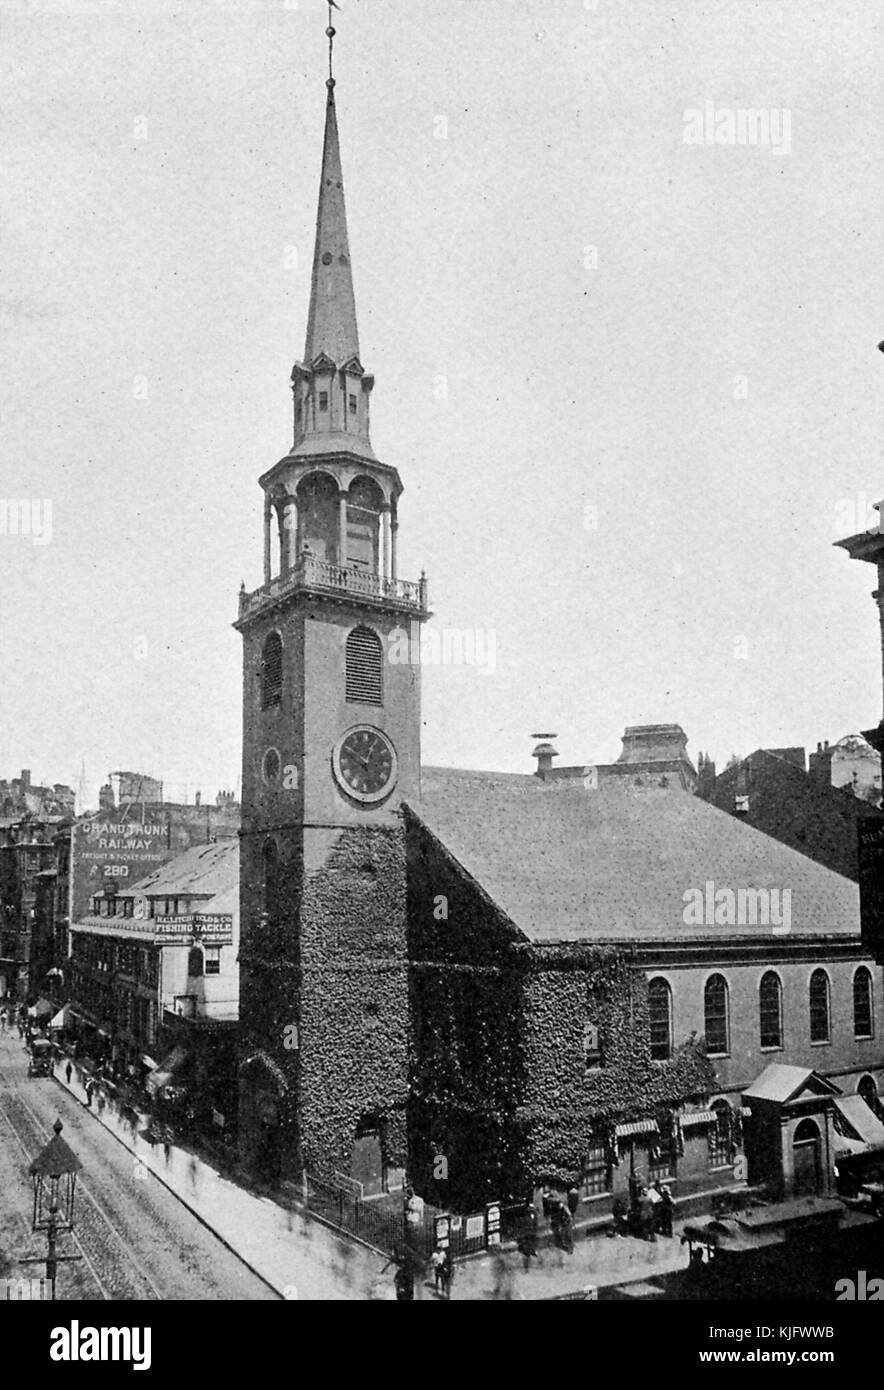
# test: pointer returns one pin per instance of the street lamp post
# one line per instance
(54, 1173)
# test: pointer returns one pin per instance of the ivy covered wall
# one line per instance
(334, 968)
(499, 1085)
(568, 1105)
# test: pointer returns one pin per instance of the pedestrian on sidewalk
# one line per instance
(528, 1238)
(621, 1218)
(90, 1087)
(448, 1272)
(68, 1071)
(573, 1199)
(666, 1210)
(404, 1282)
(566, 1231)
(437, 1260)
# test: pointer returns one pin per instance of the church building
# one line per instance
(481, 981)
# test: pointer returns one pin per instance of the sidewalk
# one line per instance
(301, 1258)
(597, 1259)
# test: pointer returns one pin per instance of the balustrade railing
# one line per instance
(312, 573)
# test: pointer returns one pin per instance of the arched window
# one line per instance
(271, 876)
(319, 518)
(715, 1010)
(806, 1159)
(660, 1014)
(770, 1010)
(863, 1018)
(271, 671)
(819, 1007)
(869, 1092)
(364, 502)
(365, 667)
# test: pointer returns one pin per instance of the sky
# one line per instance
(629, 378)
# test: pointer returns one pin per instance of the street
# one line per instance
(135, 1239)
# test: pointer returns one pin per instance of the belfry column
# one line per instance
(342, 529)
(385, 540)
(268, 519)
(394, 537)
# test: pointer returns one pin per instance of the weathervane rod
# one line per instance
(331, 31)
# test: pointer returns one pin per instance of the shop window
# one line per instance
(819, 1007)
(597, 1171)
(213, 960)
(719, 1136)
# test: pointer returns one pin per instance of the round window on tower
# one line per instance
(327, 258)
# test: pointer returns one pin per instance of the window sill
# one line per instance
(777, 1047)
(823, 1042)
(864, 1037)
(716, 1056)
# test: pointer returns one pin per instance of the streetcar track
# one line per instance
(128, 1286)
(73, 1234)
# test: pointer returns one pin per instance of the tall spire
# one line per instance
(331, 323)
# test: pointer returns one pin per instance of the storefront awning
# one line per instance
(164, 1075)
(61, 1018)
(41, 1009)
(150, 1063)
(636, 1127)
(858, 1129)
(698, 1117)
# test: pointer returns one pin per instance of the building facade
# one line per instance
(801, 809)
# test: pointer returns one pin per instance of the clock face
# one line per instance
(365, 764)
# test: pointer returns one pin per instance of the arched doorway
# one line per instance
(807, 1167)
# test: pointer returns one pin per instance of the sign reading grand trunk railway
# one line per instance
(871, 886)
(120, 848)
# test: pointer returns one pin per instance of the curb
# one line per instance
(177, 1195)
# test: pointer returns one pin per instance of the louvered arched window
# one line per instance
(271, 671)
(365, 667)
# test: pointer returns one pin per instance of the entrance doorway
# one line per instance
(806, 1159)
(367, 1162)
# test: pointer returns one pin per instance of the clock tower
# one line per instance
(331, 745)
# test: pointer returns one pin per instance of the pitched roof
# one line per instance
(567, 863)
(203, 871)
(783, 1083)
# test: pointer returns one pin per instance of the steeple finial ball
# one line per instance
(330, 32)
(330, 83)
